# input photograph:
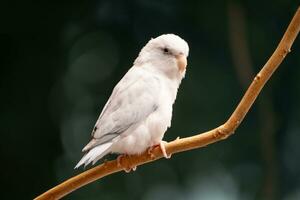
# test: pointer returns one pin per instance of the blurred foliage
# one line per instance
(60, 62)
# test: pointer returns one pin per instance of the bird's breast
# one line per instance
(160, 120)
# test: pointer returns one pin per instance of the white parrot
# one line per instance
(139, 110)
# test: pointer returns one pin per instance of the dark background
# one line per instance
(60, 61)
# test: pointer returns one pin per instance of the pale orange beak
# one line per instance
(181, 62)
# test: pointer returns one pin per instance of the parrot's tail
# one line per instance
(94, 154)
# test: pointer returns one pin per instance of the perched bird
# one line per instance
(139, 110)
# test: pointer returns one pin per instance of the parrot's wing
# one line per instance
(132, 100)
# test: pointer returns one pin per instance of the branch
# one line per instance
(197, 141)
(243, 66)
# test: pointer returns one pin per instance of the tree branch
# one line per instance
(193, 142)
(243, 66)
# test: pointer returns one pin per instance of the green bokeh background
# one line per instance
(60, 61)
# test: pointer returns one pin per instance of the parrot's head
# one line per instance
(165, 54)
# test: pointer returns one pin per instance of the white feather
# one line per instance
(94, 154)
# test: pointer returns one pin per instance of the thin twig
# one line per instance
(197, 141)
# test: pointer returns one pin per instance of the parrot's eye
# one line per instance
(166, 50)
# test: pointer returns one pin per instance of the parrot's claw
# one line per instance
(163, 149)
(149, 151)
(127, 168)
(161, 145)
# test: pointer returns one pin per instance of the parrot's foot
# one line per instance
(163, 149)
(161, 145)
(149, 151)
(127, 167)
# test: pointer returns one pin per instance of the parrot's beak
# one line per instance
(181, 62)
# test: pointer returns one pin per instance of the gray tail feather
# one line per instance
(94, 154)
(90, 145)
